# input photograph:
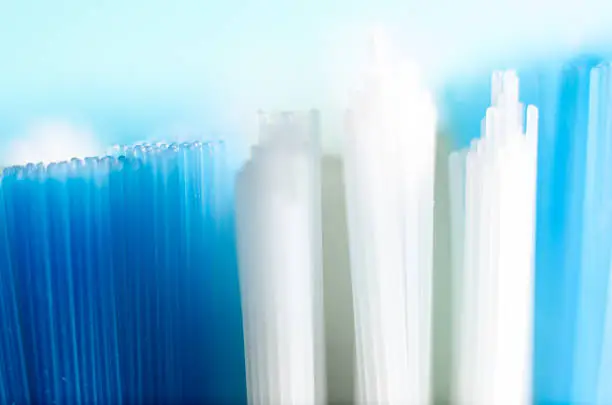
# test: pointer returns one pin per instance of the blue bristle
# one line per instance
(118, 283)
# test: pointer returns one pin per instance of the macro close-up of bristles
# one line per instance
(256, 203)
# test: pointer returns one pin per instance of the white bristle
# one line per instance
(493, 248)
(279, 242)
(389, 161)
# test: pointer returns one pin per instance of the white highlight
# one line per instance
(52, 141)
(279, 245)
(389, 166)
(493, 186)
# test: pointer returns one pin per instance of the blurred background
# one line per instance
(77, 76)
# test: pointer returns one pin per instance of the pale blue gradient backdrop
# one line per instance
(129, 70)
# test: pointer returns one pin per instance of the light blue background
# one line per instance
(132, 70)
